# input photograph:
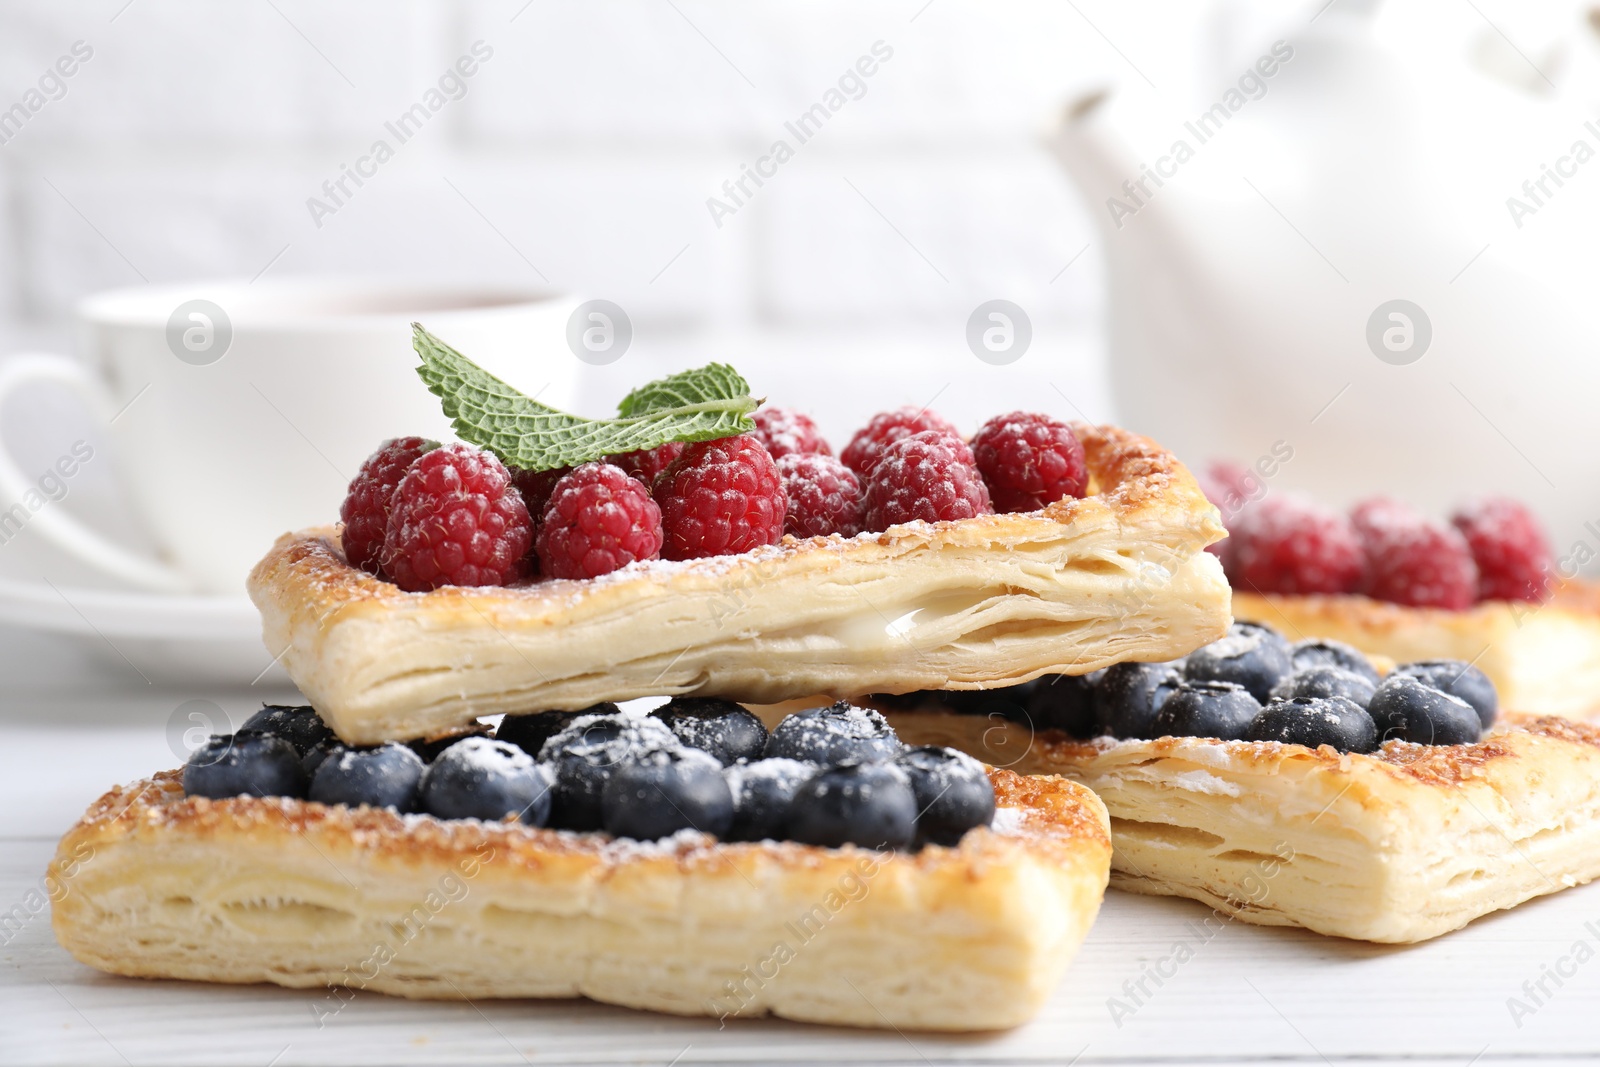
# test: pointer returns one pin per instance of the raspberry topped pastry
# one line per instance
(572, 561)
(1293, 784)
(1483, 587)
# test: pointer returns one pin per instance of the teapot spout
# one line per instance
(1095, 157)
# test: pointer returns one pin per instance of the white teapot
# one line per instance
(1381, 258)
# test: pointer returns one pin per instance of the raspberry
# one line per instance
(786, 432)
(365, 510)
(647, 463)
(1228, 486)
(1413, 560)
(1232, 487)
(599, 518)
(720, 497)
(456, 519)
(930, 475)
(866, 447)
(1291, 545)
(1375, 512)
(1509, 545)
(536, 487)
(825, 496)
(1029, 461)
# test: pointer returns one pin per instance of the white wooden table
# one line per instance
(1248, 994)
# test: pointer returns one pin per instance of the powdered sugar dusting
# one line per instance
(489, 755)
(1008, 821)
(777, 769)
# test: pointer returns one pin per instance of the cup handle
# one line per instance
(54, 524)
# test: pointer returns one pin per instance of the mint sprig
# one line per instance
(692, 405)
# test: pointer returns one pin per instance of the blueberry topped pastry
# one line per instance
(1350, 802)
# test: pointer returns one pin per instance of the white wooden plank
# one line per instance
(1248, 993)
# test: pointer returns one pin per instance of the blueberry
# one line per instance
(663, 792)
(1128, 697)
(1412, 710)
(428, 748)
(301, 726)
(953, 792)
(1325, 682)
(1461, 680)
(955, 701)
(720, 727)
(1320, 652)
(583, 756)
(855, 803)
(762, 792)
(388, 776)
(482, 779)
(1207, 709)
(916, 700)
(1009, 702)
(833, 733)
(1313, 721)
(1251, 655)
(1063, 702)
(530, 732)
(313, 759)
(244, 764)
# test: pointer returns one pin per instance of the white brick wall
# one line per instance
(192, 138)
(584, 151)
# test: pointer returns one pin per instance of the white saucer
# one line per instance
(187, 640)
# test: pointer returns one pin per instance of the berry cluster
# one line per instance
(1493, 549)
(1253, 685)
(828, 776)
(424, 515)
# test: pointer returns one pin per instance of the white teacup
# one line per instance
(237, 411)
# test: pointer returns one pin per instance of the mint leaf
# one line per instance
(693, 405)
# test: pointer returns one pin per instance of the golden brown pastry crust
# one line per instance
(1543, 658)
(1399, 846)
(153, 884)
(978, 603)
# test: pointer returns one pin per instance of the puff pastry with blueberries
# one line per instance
(307, 895)
(1300, 785)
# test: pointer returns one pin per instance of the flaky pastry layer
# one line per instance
(1543, 658)
(1399, 846)
(153, 884)
(973, 604)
